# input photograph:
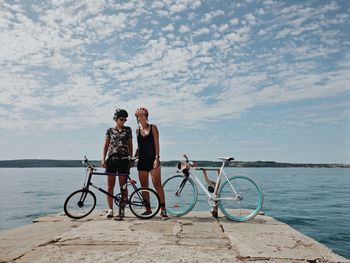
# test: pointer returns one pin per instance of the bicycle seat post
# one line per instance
(222, 165)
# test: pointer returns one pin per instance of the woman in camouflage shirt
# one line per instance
(118, 145)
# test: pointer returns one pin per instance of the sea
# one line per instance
(314, 201)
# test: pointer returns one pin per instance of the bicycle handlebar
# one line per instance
(187, 160)
(185, 156)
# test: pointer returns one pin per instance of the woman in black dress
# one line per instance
(149, 159)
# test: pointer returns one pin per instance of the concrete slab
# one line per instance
(196, 237)
(266, 238)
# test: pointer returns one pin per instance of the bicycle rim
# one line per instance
(244, 205)
(179, 200)
(144, 203)
(80, 204)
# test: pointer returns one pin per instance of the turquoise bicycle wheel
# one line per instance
(240, 198)
(180, 195)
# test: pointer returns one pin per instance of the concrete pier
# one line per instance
(196, 237)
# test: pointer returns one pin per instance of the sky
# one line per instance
(256, 80)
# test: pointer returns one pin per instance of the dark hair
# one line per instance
(120, 113)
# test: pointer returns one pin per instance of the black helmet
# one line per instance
(120, 113)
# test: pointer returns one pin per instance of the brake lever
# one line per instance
(85, 161)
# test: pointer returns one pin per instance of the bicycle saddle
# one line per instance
(226, 159)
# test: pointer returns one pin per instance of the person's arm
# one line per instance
(130, 142)
(155, 132)
(104, 152)
(131, 163)
(130, 146)
(137, 149)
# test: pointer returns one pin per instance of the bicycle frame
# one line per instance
(222, 173)
(89, 183)
(143, 202)
(238, 197)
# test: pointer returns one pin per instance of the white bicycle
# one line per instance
(239, 197)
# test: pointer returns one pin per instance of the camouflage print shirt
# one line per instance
(119, 142)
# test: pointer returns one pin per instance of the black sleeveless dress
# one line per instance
(146, 150)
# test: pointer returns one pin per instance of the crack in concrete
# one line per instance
(11, 261)
(317, 260)
(178, 227)
(231, 246)
(178, 232)
(112, 243)
(222, 227)
(52, 241)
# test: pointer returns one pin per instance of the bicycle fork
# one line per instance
(182, 185)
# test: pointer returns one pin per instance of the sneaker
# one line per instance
(164, 215)
(146, 213)
(109, 213)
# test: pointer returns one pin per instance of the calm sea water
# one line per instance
(314, 201)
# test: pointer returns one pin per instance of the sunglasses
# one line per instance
(122, 119)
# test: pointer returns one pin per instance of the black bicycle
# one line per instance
(143, 202)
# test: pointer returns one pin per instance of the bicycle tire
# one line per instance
(182, 203)
(75, 208)
(138, 203)
(246, 205)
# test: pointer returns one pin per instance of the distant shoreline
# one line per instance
(37, 163)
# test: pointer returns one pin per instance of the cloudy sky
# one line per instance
(258, 80)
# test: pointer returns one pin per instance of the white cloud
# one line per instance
(184, 29)
(105, 26)
(71, 58)
(201, 31)
(163, 13)
(261, 32)
(261, 11)
(183, 5)
(223, 28)
(168, 28)
(251, 19)
(209, 16)
(234, 21)
(177, 7)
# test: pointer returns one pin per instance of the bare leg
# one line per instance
(157, 183)
(124, 192)
(110, 189)
(143, 177)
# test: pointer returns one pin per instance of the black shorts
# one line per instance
(117, 166)
(145, 164)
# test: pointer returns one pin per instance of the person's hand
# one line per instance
(104, 163)
(156, 163)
